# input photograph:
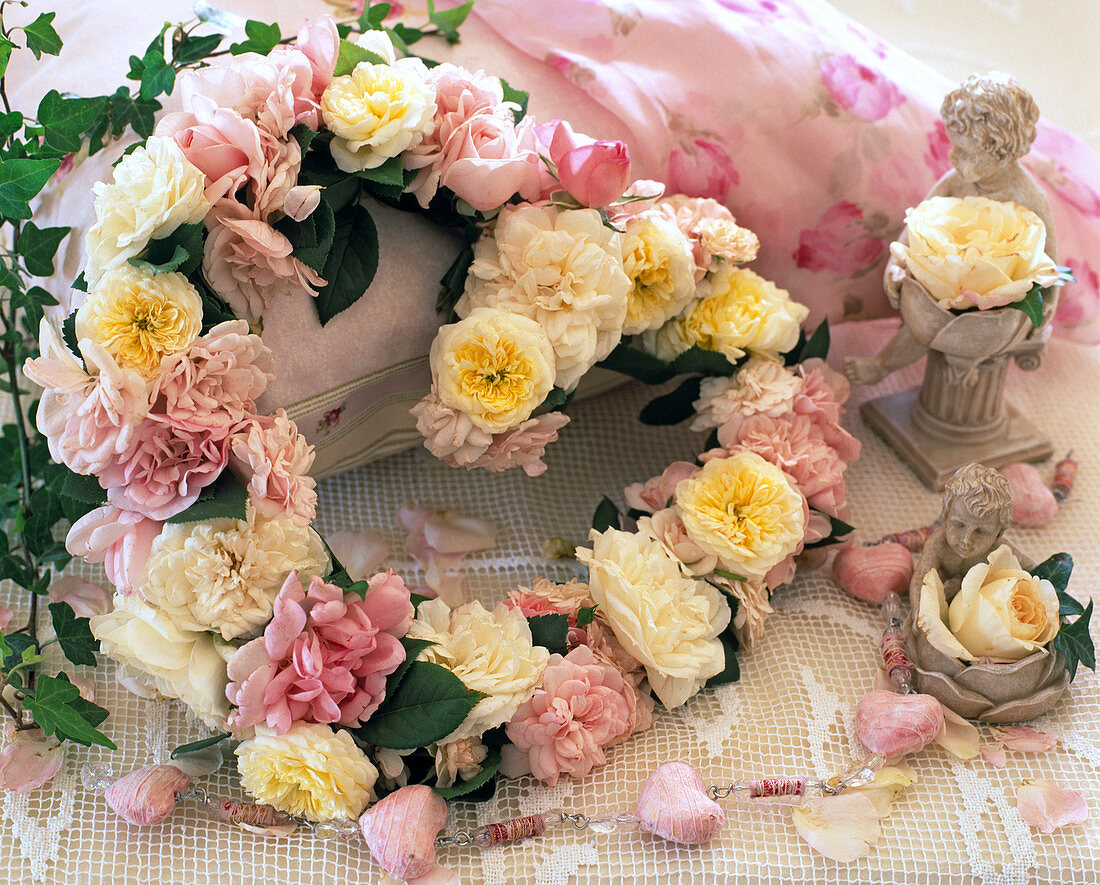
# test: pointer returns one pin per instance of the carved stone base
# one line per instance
(934, 459)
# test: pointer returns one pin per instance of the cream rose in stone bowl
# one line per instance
(974, 252)
(988, 655)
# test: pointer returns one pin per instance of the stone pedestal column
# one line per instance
(963, 405)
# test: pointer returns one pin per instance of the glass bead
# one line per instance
(97, 776)
(326, 831)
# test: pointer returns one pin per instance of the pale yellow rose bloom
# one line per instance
(975, 252)
(140, 317)
(744, 510)
(495, 367)
(664, 619)
(377, 112)
(311, 771)
(658, 261)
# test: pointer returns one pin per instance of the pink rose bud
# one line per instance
(595, 174)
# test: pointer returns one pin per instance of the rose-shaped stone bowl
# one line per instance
(996, 693)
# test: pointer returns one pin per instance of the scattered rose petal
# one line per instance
(85, 686)
(843, 828)
(361, 552)
(27, 765)
(5, 617)
(200, 763)
(1046, 805)
(439, 540)
(882, 681)
(437, 875)
(994, 754)
(87, 599)
(958, 737)
(888, 782)
(1023, 739)
(451, 588)
(135, 684)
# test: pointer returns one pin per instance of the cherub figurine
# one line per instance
(977, 509)
(990, 122)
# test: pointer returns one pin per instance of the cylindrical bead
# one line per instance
(898, 666)
(777, 786)
(1065, 471)
(243, 813)
(512, 830)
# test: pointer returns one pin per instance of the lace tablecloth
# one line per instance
(790, 713)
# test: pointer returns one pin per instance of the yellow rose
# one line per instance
(377, 112)
(725, 239)
(744, 511)
(495, 367)
(667, 621)
(738, 311)
(657, 259)
(975, 252)
(140, 317)
(1001, 612)
(311, 771)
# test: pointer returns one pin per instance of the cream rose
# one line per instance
(975, 252)
(377, 112)
(761, 387)
(657, 260)
(490, 651)
(495, 367)
(667, 621)
(311, 771)
(224, 574)
(140, 317)
(745, 511)
(155, 191)
(178, 663)
(738, 312)
(561, 268)
(1001, 612)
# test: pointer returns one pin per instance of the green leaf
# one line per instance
(68, 334)
(1075, 643)
(73, 634)
(262, 38)
(489, 769)
(311, 238)
(351, 264)
(351, 55)
(137, 113)
(449, 20)
(391, 173)
(519, 97)
(1056, 569)
(550, 631)
(557, 399)
(214, 310)
(66, 119)
(372, 16)
(454, 281)
(194, 49)
(304, 136)
(157, 75)
(636, 363)
(11, 122)
(1032, 305)
(699, 359)
(41, 36)
(85, 489)
(38, 245)
(839, 528)
(15, 646)
(195, 746)
(429, 704)
(817, 346)
(224, 498)
(1068, 607)
(6, 46)
(59, 710)
(180, 251)
(413, 648)
(21, 181)
(586, 615)
(405, 35)
(732, 671)
(674, 407)
(606, 515)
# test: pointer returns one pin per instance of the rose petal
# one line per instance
(361, 552)
(1023, 739)
(5, 616)
(86, 598)
(931, 613)
(994, 754)
(437, 875)
(888, 782)
(453, 533)
(882, 681)
(27, 765)
(958, 737)
(843, 828)
(1046, 805)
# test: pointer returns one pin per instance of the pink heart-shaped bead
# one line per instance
(401, 829)
(869, 573)
(896, 724)
(148, 795)
(674, 805)
(1032, 502)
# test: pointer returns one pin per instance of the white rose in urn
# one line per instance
(1001, 612)
(975, 252)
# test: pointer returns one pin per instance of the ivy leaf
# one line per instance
(6, 47)
(1075, 643)
(351, 55)
(586, 615)
(550, 631)
(429, 704)
(41, 36)
(38, 245)
(59, 710)
(20, 181)
(351, 264)
(194, 49)
(454, 281)
(372, 16)
(606, 515)
(519, 97)
(195, 746)
(638, 364)
(66, 119)
(73, 634)
(137, 113)
(157, 76)
(449, 20)
(224, 498)
(557, 399)
(1032, 305)
(489, 769)
(732, 670)
(11, 122)
(674, 407)
(1056, 569)
(406, 35)
(262, 38)
(14, 647)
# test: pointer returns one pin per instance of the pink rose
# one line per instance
(861, 91)
(839, 242)
(690, 215)
(85, 598)
(1079, 301)
(273, 460)
(595, 173)
(120, 539)
(521, 446)
(320, 43)
(668, 528)
(823, 391)
(213, 385)
(482, 162)
(324, 656)
(654, 494)
(937, 155)
(448, 434)
(248, 263)
(704, 170)
(580, 709)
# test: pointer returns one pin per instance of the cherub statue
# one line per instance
(977, 509)
(990, 121)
